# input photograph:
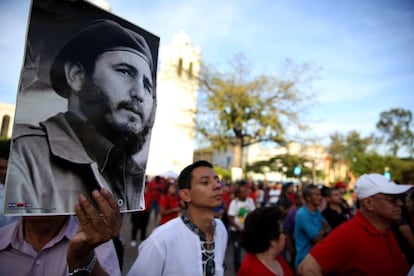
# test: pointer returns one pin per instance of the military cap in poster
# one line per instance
(85, 109)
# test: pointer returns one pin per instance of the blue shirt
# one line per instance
(308, 224)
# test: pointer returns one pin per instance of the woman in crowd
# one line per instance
(169, 204)
(287, 197)
(263, 240)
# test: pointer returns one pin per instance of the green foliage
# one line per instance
(278, 163)
(222, 173)
(395, 126)
(285, 164)
(355, 151)
(238, 109)
(375, 163)
(348, 147)
(402, 171)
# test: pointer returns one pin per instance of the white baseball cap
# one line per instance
(371, 184)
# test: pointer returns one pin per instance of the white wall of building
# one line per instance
(6, 114)
(172, 141)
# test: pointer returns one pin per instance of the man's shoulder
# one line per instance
(7, 234)
(234, 201)
(250, 200)
(23, 130)
(328, 211)
(220, 225)
(168, 234)
(302, 211)
(349, 230)
(168, 229)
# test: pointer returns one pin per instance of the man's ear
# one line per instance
(75, 75)
(185, 195)
(368, 203)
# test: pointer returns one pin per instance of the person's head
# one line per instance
(241, 192)
(312, 196)
(170, 189)
(379, 198)
(225, 188)
(106, 73)
(288, 188)
(299, 197)
(4, 157)
(199, 185)
(341, 186)
(409, 202)
(333, 196)
(263, 229)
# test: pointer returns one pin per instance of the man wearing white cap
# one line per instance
(364, 245)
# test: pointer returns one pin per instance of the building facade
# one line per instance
(6, 119)
(172, 142)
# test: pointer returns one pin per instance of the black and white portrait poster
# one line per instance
(85, 109)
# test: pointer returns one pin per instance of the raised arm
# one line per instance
(309, 267)
(96, 227)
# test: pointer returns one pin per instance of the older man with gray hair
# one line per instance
(365, 244)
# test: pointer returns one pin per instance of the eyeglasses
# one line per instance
(391, 199)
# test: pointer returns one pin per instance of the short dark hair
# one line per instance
(307, 190)
(330, 191)
(238, 188)
(184, 179)
(261, 226)
(326, 191)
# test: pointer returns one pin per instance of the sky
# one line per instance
(365, 48)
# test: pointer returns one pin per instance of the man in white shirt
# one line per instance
(239, 207)
(195, 243)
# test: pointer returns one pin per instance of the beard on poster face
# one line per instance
(121, 122)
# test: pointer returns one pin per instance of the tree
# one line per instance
(345, 147)
(284, 163)
(360, 158)
(395, 126)
(237, 109)
(350, 149)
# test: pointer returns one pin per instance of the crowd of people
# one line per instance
(297, 232)
(308, 214)
(76, 171)
(309, 230)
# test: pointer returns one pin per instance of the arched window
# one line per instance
(5, 126)
(190, 71)
(180, 67)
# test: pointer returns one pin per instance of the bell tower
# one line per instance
(172, 138)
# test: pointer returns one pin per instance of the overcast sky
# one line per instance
(364, 47)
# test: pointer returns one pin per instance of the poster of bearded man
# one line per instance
(85, 109)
